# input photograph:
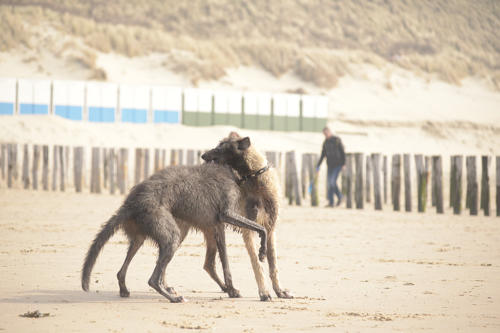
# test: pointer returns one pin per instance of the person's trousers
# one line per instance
(332, 184)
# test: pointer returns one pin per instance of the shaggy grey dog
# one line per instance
(163, 208)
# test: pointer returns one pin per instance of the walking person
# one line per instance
(333, 149)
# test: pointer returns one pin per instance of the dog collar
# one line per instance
(253, 175)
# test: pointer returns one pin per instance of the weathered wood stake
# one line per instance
(358, 187)
(376, 181)
(26, 168)
(437, 171)
(485, 186)
(396, 181)
(36, 163)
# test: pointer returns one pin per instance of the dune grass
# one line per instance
(317, 40)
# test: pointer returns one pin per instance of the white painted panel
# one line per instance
(220, 101)
(309, 106)
(234, 102)
(41, 92)
(191, 100)
(76, 93)
(109, 95)
(204, 100)
(127, 97)
(322, 107)
(279, 105)
(264, 104)
(7, 90)
(102, 95)
(174, 99)
(250, 103)
(25, 93)
(134, 97)
(68, 93)
(293, 105)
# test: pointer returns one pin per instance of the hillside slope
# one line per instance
(317, 41)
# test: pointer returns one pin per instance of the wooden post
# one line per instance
(303, 180)
(111, 172)
(472, 186)
(384, 171)
(452, 180)
(349, 182)
(421, 182)
(407, 179)
(3, 159)
(437, 185)
(180, 155)
(368, 175)
(78, 168)
(146, 163)
(45, 168)
(157, 160)
(34, 170)
(376, 181)
(62, 184)
(485, 186)
(174, 159)
(396, 181)
(358, 188)
(457, 180)
(11, 163)
(55, 161)
(498, 185)
(95, 178)
(122, 172)
(138, 165)
(26, 168)
(105, 167)
(163, 158)
(292, 179)
(190, 157)
(313, 179)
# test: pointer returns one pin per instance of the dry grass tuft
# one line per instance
(315, 40)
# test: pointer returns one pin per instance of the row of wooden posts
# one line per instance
(362, 174)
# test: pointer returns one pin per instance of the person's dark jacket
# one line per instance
(333, 149)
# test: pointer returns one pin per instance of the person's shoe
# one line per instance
(329, 206)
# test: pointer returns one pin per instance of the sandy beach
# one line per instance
(350, 271)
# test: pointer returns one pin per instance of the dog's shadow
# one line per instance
(78, 296)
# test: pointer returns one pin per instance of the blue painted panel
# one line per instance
(69, 112)
(29, 108)
(6, 108)
(98, 114)
(162, 116)
(134, 115)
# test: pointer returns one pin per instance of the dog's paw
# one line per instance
(234, 293)
(265, 297)
(284, 294)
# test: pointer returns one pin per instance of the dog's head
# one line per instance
(230, 151)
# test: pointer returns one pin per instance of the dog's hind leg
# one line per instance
(134, 246)
(166, 234)
(273, 269)
(220, 238)
(248, 237)
(209, 265)
(242, 222)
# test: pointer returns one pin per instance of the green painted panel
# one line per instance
(320, 124)
(293, 124)
(251, 121)
(204, 119)
(234, 119)
(309, 124)
(189, 118)
(264, 122)
(279, 123)
(221, 118)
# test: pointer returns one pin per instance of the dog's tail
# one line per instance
(107, 230)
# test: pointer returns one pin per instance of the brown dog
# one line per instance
(259, 202)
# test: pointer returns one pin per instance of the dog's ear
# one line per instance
(234, 135)
(244, 143)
